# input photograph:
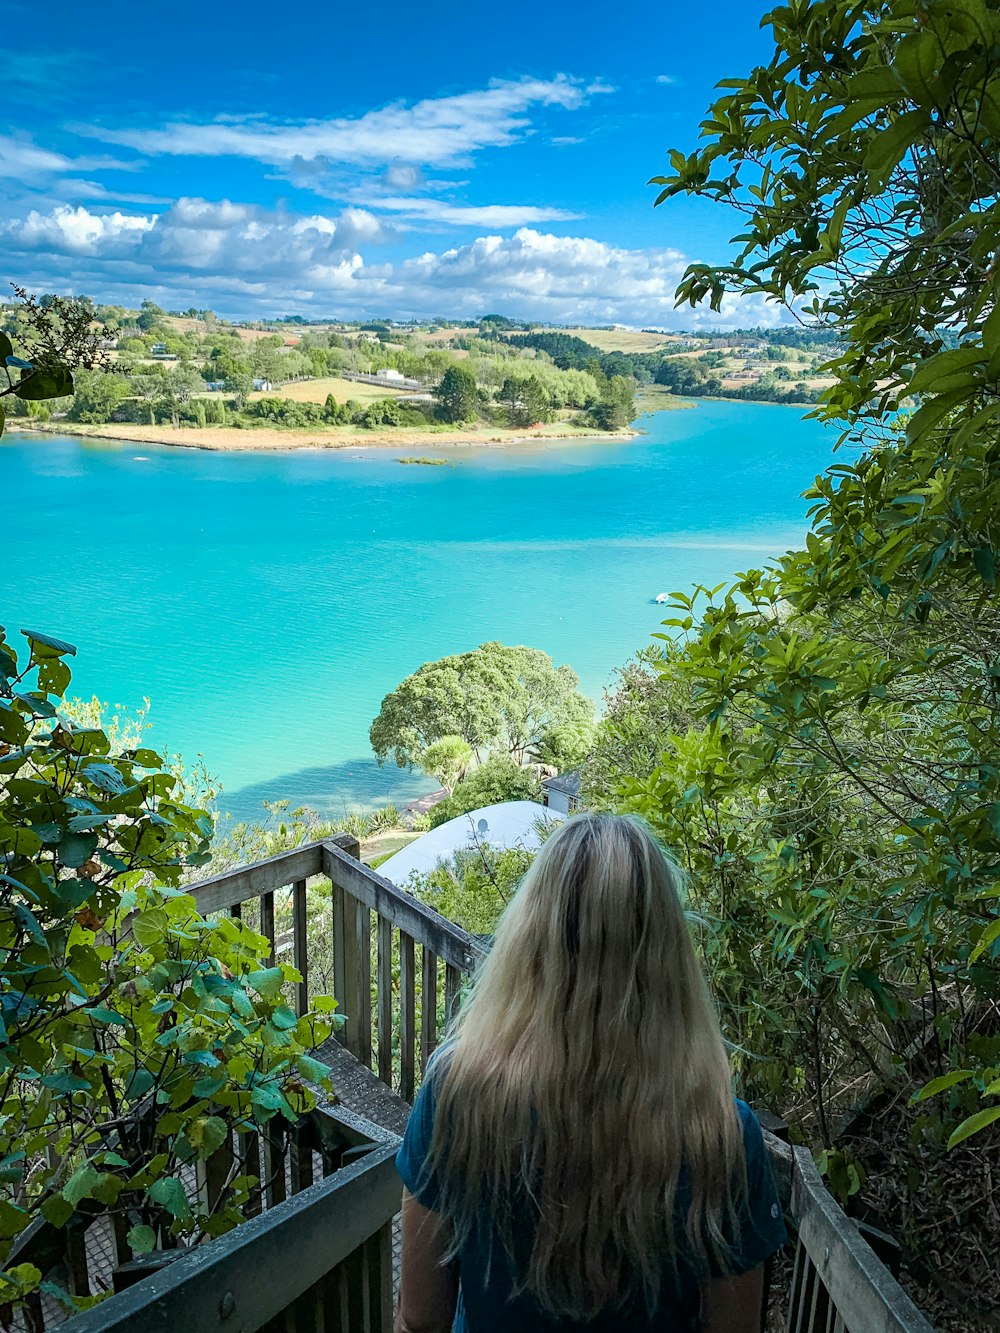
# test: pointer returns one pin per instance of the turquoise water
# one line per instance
(266, 602)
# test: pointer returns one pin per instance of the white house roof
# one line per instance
(509, 824)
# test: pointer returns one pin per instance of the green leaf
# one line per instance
(314, 1070)
(76, 849)
(207, 1133)
(42, 645)
(150, 926)
(986, 565)
(36, 385)
(57, 1210)
(946, 370)
(169, 1193)
(138, 1085)
(142, 1239)
(941, 1084)
(106, 777)
(989, 934)
(889, 147)
(267, 982)
(81, 1184)
(12, 1220)
(284, 1019)
(107, 1017)
(66, 1082)
(204, 1059)
(973, 1124)
(6, 348)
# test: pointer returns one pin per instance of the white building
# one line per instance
(509, 824)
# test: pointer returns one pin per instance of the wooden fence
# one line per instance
(319, 1258)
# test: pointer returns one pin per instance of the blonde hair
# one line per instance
(586, 1072)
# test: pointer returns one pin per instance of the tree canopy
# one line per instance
(495, 697)
(830, 768)
(457, 395)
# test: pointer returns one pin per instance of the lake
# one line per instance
(266, 602)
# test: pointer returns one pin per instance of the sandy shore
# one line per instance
(253, 440)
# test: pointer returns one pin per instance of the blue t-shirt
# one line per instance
(485, 1306)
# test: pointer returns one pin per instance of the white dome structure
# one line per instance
(509, 824)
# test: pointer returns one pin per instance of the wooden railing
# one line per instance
(397, 973)
(319, 1260)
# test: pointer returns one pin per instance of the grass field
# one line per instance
(658, 398)
(615, 340)
(315, 391)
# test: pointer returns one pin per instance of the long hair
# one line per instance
(586, 1081)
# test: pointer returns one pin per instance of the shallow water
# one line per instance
(266, 602)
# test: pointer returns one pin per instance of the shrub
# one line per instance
(118, 996)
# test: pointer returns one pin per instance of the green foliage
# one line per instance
(616, 408)
(834, 787)
(133, 1032)
(447, 760)
(474, 886)
(567, 745)
(54, 336)
(497, 779)
(526, 401)
(494, 696)
(457, 395)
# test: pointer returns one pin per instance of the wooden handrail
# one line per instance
(309, 1256)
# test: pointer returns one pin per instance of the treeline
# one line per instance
(691, 376)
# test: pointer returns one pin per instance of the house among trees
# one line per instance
(561, 794)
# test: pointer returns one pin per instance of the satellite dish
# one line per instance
(482, 826)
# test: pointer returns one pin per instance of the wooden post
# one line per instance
(300, 946)
(212, 1175)
(407, 1016)
(428, 1008)
(274, 1165)
(452, 990)
(363, 966)
(267, 923)
(379, 1259)
(384, 1000)
(248, 1146)
(301, 1165)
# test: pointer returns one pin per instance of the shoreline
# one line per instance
(230, 439)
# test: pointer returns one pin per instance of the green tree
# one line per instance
(616, 408)
(526, 401)
(841, 775)
(447, 760)
(98, 395)
(494, 697)
(567, 745)
(457, 395)
(54, 337)
(149, 316)
(498, 779)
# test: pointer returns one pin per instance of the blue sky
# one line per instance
(359, 160)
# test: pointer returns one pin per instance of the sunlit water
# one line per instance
(266, 602)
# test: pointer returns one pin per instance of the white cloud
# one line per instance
(77, 231)
(20, 159)
(441, 131)
(472, 215)
(245, 261)
(670, 79)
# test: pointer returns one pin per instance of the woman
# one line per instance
(575, 1158)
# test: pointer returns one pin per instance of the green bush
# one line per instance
(118, 996)
(498, 779)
